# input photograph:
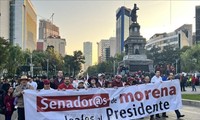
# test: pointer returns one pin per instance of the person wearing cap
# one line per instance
(81, 84)
(46, 85)
(102, 80)
(118, 81)
(66, 85)
(32, 83)
(19, 91)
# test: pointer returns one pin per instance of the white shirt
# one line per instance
(156, 79)
(33, 84)
(44, 89)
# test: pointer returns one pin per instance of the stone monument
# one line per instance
(135, 58)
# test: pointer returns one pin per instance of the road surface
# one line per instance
(191, 113)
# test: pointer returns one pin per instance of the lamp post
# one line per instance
(47, 68)
(31, 65)
(114, 67)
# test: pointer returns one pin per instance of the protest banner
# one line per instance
(123, 103)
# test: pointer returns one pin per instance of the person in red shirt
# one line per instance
(193, 83)
(59, 80)
(9, 103)
(66, 85)
(129, 81)
(117, 82)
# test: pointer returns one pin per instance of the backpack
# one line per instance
(2, 105)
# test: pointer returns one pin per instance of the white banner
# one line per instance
(103, 104)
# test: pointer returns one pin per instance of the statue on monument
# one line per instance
(134, 13)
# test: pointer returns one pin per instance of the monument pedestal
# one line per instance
(135, 58)
(136, 63)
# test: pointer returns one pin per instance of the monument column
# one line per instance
(135, 58)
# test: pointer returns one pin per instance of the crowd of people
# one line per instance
(12, 94)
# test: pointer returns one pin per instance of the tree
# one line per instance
(154, 54)
(15, 59)
(190, 59)
(78, 60)
(68, 64)
(55, 60)
(4, 47)
(73, 63)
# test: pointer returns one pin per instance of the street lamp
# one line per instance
(31, 65)
(47, 68)
(114, 67)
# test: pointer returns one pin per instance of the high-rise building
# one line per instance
(47, 29)
(87, 52)
(23, 24)
(49, 36)
(122, 27)
(4, 18)
(112, 46)
(102, 45)
(197, 16)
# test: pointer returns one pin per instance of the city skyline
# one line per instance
(96, 20)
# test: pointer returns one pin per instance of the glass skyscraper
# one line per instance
(122, 27)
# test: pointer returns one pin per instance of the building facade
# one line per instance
(179, 38)
(102, 45)
(58, 44)
(197, 17)
(4, 18)
(112, 46)
(47, 29)
(23, 24)
(122, 27)
(87, 52)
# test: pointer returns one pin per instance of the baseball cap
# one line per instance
(46, 82)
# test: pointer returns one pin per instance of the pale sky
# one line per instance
(92, 20)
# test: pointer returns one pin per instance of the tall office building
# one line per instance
(197, 16)
(112, 46)
(87, 52)
(122, 27)
(103, 46)
(49, 36)
(4, 18)
(23, 24)
(47, 29)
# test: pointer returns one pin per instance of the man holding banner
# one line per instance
(19, 91)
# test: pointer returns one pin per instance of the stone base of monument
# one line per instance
(136, 63)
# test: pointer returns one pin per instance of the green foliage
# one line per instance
(168, 55)
(191, 96)
(190, 59)
(4, 45)
(12, 58)
(106, 67)
(72, 63)
(15, 59)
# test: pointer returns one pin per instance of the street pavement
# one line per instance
(189, 90)
(191, 113)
